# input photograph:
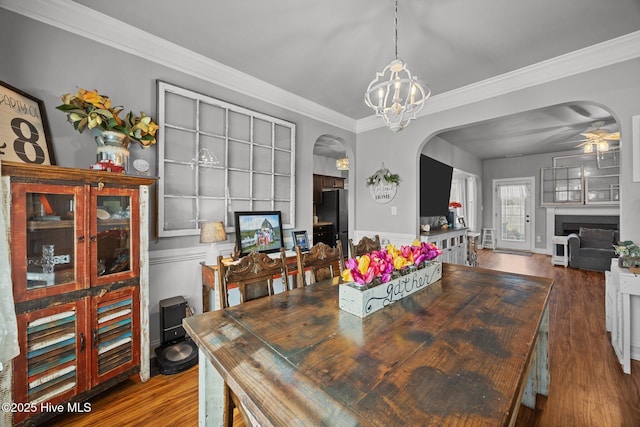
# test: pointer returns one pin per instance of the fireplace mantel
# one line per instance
(581, 210)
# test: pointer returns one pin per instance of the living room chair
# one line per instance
(592, 248)
(253, 275)
(322, 262)
(364, 246)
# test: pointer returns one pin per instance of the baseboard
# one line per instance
(635, 352)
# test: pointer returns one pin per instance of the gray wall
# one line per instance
(47, 62)
(615, 87)
(517, 167)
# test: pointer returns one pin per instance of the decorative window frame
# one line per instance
(215, 158)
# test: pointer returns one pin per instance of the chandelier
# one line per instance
(342, 164)
(395, 94)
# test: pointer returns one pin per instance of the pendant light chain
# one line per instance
(395, 25)
(396, 95)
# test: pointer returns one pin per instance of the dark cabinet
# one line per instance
(325, 234)
(332, 182)
(324, 182)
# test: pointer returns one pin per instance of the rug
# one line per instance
(512, 252)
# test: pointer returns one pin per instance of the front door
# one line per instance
(512, 209)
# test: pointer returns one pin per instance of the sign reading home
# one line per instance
(363, 302)
(383, 192)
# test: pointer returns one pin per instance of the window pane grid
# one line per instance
(219, 131)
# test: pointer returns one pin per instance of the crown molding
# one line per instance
(86, 22)
(600, 55)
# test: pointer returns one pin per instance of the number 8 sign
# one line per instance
(24, 130)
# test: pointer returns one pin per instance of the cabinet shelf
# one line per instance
(49, 225)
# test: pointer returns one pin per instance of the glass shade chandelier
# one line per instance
(395, 94)
(342, 164)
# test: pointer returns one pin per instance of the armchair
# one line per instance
(592, 248)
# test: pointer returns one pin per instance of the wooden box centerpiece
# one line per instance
(376, 280)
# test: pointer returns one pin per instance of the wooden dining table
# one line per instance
(467, 350)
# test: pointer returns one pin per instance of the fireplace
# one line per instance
(567, 224)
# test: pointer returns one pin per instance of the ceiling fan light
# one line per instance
(603, 146)
(588, 148)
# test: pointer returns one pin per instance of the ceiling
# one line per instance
(328, 51)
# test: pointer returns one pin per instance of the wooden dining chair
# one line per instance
(322, 262)
(364, 246)
(253, 275)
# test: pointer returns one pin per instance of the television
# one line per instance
(435, 187)
(258, 231)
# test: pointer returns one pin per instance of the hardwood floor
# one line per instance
(587, 387)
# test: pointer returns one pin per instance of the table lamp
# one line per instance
(212, 232)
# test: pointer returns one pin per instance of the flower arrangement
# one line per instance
(382, 265)
(628, 252)
(89, 109)
(385, 175)
(627, 249)
(455, 204)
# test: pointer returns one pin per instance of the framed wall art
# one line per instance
(301, 239)
(24, 129)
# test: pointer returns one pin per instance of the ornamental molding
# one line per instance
(86, 22)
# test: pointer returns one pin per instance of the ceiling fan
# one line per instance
(598, 138)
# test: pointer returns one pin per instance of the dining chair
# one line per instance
(322, 262)
(253, 275)
(364, 246)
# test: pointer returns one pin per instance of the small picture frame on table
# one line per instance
(301, 239)
(24, 129)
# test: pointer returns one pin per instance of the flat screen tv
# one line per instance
(435, 187)
(258, 231)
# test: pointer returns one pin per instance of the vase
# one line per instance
(113, 146)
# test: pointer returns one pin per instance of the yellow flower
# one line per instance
(363, 263)
(94, 120)
(346, 275)
(92, 110)
(93, 98)
(399, 262)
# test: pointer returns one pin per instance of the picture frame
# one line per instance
(301, 239)
(258, 231)
(24, 128)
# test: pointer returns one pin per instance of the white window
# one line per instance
(216, 158)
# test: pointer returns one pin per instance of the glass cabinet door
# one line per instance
(48, 233)
(115, 248)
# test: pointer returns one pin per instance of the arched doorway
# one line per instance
(519, 146)
(331, 201)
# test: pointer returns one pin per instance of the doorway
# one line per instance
(512, 201)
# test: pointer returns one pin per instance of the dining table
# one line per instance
(467, 350)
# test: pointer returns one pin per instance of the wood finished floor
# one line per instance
(588, 388)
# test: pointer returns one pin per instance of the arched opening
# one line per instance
(332, 203)
(522, 145)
